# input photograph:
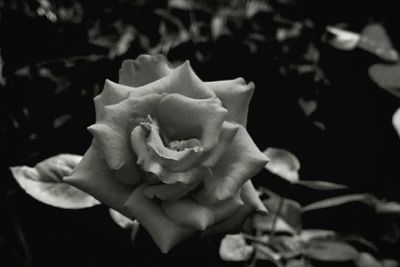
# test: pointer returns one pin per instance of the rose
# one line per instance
(172, 151)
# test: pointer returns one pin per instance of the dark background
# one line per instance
(55, 56)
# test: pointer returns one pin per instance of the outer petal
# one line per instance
(183, 118)
(165, 233)
(145, 69)
(235, 96)
(112, 94)
(112, 134)
(240, 162)
(227, 134)
(93, 176)
(232, 223)
(182, 81)
(187, 212)
(145, 159)
(250, 197)
(170, 192)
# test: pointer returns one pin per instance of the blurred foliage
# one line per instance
(327, 86)
(334, 226)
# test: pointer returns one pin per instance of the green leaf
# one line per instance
(330, 250)
(53, 193)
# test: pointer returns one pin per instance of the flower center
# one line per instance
(180, 145)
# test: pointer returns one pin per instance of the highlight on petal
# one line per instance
(165, 233)
(187, 212)
(241, 161)
(93, 176)
(56, 194)
(181, 81)
(145, 69)
(235, 96)
(112, 93)
(149, 164)
(183, 118)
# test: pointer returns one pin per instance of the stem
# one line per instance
(276, 215)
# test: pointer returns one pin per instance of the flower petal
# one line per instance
(145, 69)
(182, 81)
(189, 213)
(170, 192)
(165, 233)
(92, 176)
(227, 134)
(231, 224)
(112, 93)
(148, 164)
(251, 198)
(183, 118)
(240, 162)
(235, 96)
(112, 134)
(174, 160)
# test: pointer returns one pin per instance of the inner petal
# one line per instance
(184, 118)
(184, 158)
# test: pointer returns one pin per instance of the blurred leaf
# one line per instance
(269, 223)
(389, 263)
(396, 121)
(386, 77)
(253, 7)
(287, 209)
(330, 250)
(309, 234)
(365, 259)
(60, 120)
(387, 207)
(283, 163)
(341, 39)
(340, 200)
(266, 253)
(55, 194)
(321, 185)
(308, 106)
(235, 248)
(375, 40)
(298, 263)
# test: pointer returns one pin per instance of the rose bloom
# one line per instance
(172, 151)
